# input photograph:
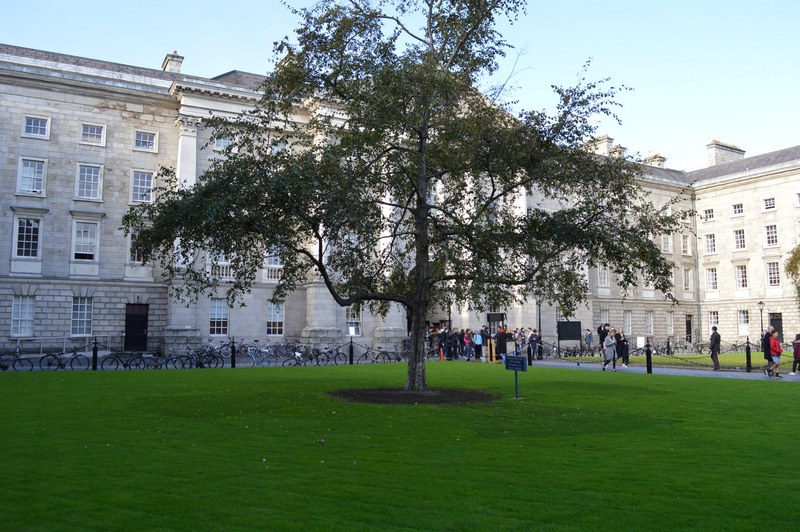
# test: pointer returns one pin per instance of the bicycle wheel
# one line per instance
(339, 359)
(149, 362)
(110, 363)
(50, 362)
(79, 362)
(22, 364)
(225, 350)
(183, 362)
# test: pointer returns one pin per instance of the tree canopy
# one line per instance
(374, 162)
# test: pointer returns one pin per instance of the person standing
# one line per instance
(713, 346)
(444, 343)
(468, 345)
(621, 342)
(477, 345)
(796, 351)
(587, 340)
(500, 343)
(610, 350)
(534, 340)
(765, 346)
(776, 349)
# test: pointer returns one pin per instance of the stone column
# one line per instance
(187, 150)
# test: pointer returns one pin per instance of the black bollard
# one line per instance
(94, 355)
(539, 354)
(233, 353)
(747, 355)
(648, 353)
(351, 350)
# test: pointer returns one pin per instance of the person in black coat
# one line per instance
(622, 346)
(500, 342)
(713, 346)
(765, 346)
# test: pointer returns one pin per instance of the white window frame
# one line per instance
(686, 245)
(741, 275)
(145, 147)
(743, 320)
(275, 318)
(710, 240)
(221, 143)
(773, 274)
(218, 317)
(32, 191)
(627, 321)
(85, 243)
(737, 209)
(712, 280)
(604, 315)
(352, 320)
(687, 279)
(133, 256)
(40, 136)
(648, 322)
(768, 204)
(739, 244)
(771, 235)
(666, 243)
(136, 196)
(708, 215)
(670, 323)
(273, 268)
(81, 318)
(23, 310)
(91, 140)
(78, 182)
(603, 277)
(713, 318)
(16, 242)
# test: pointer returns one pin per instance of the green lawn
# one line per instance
(271, 449)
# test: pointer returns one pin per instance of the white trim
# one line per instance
(101, 142)
(101, 173)
(134, 171)
(154, 149)
(45, 136)
(33, 191)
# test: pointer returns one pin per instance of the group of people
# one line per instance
(468, 343)
(773, 349)
(614, 344)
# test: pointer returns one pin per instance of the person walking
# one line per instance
(796, 350)
(621, 342)
(588, 338)
(765, 346)
(610, 350)
(713, 346)
(776, 349)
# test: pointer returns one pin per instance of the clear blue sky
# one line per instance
(700, 69)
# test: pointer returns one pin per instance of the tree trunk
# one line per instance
(416, 380)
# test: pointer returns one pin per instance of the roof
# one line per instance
(748, 164)
(241, 79)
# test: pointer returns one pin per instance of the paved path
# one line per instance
(756, 374)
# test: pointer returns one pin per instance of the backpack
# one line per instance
(477, 339)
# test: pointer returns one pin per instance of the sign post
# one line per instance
(517, 364)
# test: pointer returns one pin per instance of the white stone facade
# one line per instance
(81, 140)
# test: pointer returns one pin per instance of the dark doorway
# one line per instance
(135, 327)
(688, 327)
(776, 320)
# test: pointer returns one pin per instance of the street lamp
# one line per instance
(760, 306)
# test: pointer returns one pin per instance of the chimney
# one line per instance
(602, 145)
(721, 153)
(656, 160)
(172, 62)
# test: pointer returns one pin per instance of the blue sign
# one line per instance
(516, 363)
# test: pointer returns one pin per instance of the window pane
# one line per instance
(27, 237)
(218, 317)
(145, 140)
(142, 186)
(92, 134)
(22, 315)
(85, 241)
(36, 126)
(773, 273)
(32, 178)
(275, 318)
(741, 276)
(89, 182)
(81, 316)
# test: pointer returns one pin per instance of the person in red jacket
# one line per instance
(775, 349)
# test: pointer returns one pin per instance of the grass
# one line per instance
(271, 449)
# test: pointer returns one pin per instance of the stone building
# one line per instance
(81, 140)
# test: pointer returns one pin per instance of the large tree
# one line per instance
(374, 162)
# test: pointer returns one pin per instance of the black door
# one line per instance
(776, 320)
(688, 327)
(135, 327)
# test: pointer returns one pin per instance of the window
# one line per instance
(744, 322)
(686, 246)
(602, 277)
(37, 127)
(274, 268)
(142, 186)
(666, 244)
(708, 215)
(134, 255)
(773, 274)
(220, 143)
(713, 318)
(89, 181)
(31, 175)
(275, 318)
(738, 239)
(27, 238)
(218, 317)
(648, 322)
(711, 243)
(145, 141)
(627, 320)
(711, 279)
(81, 316)
(687, 279)
(741, 276)
(737, 209)
(771, 235)
(769, 204)
(85, 241)
(604, 315)
(352, 320)
(22, 315)
(670, 323)
(93, 134)
(797, 199)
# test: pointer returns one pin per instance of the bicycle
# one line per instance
(55, 361)
(123, 360)
(17, 363)
(371, 356)
(204, 358)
